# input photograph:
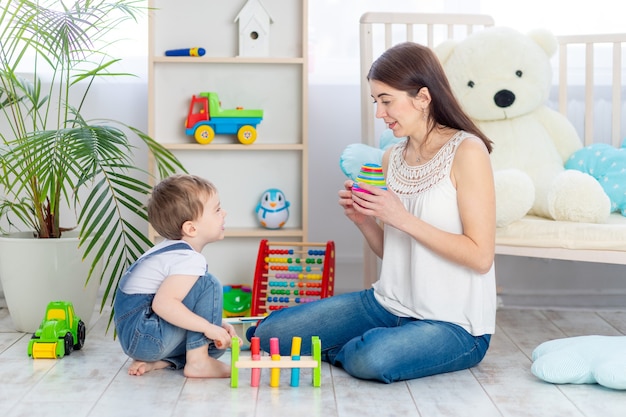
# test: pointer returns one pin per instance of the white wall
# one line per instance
(334, 123)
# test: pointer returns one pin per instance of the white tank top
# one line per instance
(416, 282)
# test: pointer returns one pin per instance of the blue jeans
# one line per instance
(369, 342)
(145, 336)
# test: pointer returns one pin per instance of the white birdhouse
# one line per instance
(254, 29)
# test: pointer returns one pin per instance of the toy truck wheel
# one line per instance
(81, 331)
(68, 342)
(204, 134)
(246, 134)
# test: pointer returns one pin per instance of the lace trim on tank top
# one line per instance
(408, 180)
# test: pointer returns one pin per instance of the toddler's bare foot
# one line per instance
(201, 365)
(210, 368)
(140, 367)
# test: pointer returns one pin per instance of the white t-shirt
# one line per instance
(416, 282)
(147, 276)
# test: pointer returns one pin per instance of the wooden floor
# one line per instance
(94, 381)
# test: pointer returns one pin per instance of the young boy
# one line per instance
(168, 308)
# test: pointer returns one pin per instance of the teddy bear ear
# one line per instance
(545, 39)
(444, 50)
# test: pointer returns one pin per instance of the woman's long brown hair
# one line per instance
(409, 67)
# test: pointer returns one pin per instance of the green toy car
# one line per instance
(61, 331)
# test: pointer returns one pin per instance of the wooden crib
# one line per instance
(531, 236)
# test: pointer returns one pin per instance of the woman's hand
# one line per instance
(382, 204)
(346, 201)
(363, 218)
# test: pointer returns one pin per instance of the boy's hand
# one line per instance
(219, 335)
(231, 331)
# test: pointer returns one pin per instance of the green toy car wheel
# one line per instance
(81, 332)
(68, 341)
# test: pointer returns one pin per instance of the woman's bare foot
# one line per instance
(140, 367)
(201, 365)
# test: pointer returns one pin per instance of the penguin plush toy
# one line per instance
(273, 209)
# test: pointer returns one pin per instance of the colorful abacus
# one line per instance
(290, 273)
(371, 174)
(275, 362)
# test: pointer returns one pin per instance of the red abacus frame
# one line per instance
(290, 273)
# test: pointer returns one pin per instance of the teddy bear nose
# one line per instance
(504, 98)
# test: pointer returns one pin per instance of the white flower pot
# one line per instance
(34, 272)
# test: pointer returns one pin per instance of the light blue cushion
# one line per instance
(606, 164)
(582, 360)
(357, 154)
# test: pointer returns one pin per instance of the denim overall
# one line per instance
(147, 337)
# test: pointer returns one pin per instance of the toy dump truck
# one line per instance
(61, 331)
(206, 118)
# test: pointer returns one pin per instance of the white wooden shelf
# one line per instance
(234, 147)
(227, 60)
(276, 83)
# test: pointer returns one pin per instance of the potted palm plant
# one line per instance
(61, 173)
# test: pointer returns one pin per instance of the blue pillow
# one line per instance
(582, 360)
(356, 155)
(606, 164)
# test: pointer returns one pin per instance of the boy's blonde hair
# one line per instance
(175, 200)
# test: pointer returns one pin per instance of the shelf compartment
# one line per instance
(276, 89)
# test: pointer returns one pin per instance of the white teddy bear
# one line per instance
(502, 78)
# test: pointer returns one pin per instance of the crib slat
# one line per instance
(617, 41)
(563, 79)
(589, 101)
(616, 103)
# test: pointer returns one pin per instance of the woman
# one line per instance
(433, 308)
